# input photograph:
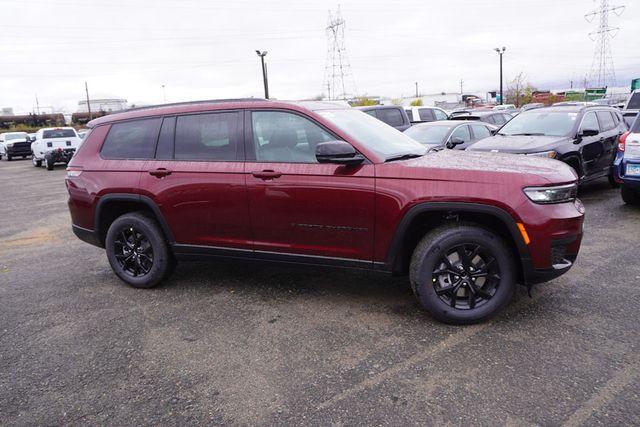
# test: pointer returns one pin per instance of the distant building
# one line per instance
(103, 104)
(7, 111)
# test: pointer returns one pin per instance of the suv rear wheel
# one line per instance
(462, 273)
(37, 163)
(137, 250)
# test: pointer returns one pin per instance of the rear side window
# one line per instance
(207, 136)
(463, 133)
(489, 119)
(409, 114)
(391, 116)
(480, 131)
(499, 119)
(606, 121)
(426, 115)
(134, 139)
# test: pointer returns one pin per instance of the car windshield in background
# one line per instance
(386, 141)
(430, 135)
(59, 133)
(634, 102)
(540, 123)
(11, 136)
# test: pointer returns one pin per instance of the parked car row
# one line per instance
(47, 146)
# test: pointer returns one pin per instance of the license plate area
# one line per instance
(633, 169)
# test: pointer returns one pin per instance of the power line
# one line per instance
(602, 71)
(338, 81)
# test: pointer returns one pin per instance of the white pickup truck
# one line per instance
(54, 145)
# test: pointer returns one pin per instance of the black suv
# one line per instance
(393, 115)
(584, 137)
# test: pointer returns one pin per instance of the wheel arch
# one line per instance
(424, 217)
(574, 160)
(112, 206)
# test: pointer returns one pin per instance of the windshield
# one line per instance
(431, 135)
(59, 133)
(378, 136)
(11, 136)
(540, 123)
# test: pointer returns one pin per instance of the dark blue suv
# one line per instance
(627, 164)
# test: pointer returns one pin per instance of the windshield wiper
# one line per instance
(526, 134)
(403, 157)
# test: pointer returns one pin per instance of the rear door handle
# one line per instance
(160, 172)
(266, 174)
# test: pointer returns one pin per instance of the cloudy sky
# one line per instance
(206, 49)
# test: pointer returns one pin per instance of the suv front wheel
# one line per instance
(137, 250)
(462, 273)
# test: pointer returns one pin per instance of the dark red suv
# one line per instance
(319, 183)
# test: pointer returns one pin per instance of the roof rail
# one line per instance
(204, 101)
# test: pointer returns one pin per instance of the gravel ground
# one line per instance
(231, 343)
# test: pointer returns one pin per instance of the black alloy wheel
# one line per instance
(466, 277)
(134, 252)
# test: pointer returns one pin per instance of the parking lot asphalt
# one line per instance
(232, 343)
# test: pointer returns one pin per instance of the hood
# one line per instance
(477, 167)
(518, 143)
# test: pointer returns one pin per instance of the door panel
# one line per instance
(202, 194)
(591, 147)
(298, 205)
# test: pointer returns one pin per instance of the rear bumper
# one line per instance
(620, 168)
(88, 236)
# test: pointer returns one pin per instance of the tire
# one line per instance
(9, 158)
(612, 181)
(36, 163)
(486, 282)
(630, 196)
(144, 264)
(48, 163)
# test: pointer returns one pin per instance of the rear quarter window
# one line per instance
(391, 116)
(135, 139)
(606, 121)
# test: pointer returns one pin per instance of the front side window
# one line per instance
(134, 139)
(285, 137)
(590, 122)
(210, 136)
(462, 132)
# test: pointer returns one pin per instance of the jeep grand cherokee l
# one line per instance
(316, 183)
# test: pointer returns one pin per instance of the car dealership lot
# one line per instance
(227, 342)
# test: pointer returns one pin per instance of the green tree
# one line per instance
(416, 103)
(363, 101)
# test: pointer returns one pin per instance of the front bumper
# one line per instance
(18, 150)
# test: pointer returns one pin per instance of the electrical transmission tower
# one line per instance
(602, 72)
(338, 78)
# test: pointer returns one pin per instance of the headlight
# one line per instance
(557, 194)
(9, 144)
(550, 154)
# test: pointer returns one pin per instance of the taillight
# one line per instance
(73, 172)
(622, 140)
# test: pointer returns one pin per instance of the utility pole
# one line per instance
(37, 105)
(264, 73)
(602, 71)
(461, 82)
(501, 52)
(416, 89)
(86, 89)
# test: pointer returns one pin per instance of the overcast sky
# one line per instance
(206, 49)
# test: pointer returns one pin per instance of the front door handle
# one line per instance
(160, 172)
(266, 174)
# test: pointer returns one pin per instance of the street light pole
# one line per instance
(416, 89)
(500, 52)
(264, 73)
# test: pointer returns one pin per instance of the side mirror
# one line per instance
(338, 152)
(454, 141)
